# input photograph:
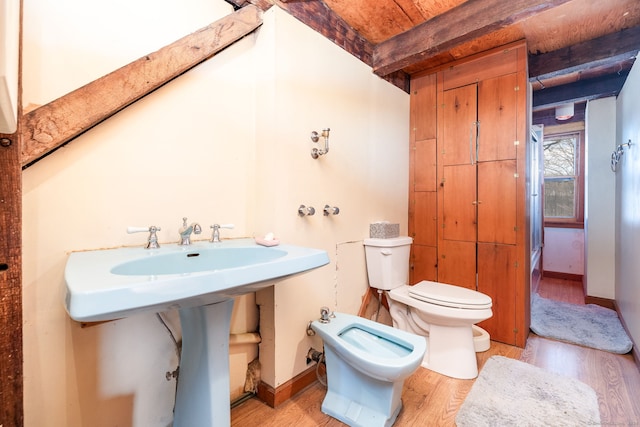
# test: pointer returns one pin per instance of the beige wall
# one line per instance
(226, 142)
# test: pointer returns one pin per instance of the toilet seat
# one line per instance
(449, 296)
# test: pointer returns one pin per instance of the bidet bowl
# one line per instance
(115, 283)
(377, 350)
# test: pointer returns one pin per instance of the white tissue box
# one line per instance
(384, 230)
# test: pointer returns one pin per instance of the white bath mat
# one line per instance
(587, 325)
(512, 393)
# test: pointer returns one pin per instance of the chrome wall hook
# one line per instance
(616, 156)
(315, 137)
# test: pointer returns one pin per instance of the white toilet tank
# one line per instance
(388, 262)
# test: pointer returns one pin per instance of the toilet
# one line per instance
(367, 363)
(445, 315)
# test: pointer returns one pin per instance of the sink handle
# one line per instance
(215, 237)
(152, 241)
(131, 230)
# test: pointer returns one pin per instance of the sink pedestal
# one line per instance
(202, 398)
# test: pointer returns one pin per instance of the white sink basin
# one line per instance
(115, 283)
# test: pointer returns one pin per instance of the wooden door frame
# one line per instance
(11, 357)
(11, 354)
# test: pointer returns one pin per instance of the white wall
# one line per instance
(600, 200)
(628, 205)
(226, 142)
(563, 250)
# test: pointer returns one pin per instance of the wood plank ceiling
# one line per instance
(578, 49)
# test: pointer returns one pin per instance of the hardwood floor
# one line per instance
(431, 399)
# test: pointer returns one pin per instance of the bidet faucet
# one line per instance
(325, 313)
(186, 230)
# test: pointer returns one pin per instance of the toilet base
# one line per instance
(357, 399)
(354, 414)
(481, 339)
(451, 352)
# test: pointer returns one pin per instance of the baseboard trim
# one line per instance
(276, 396)
(560, 275)
(603, 302)
(634, 350)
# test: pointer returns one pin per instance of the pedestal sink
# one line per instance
(200, 281)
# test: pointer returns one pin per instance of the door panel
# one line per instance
(497, 107)
(424, 106)
(425, 165)
(457, 263)
(459, 208)
(459, 131)
(497, 278)
(497, 185)
(425, 219)
(424, 264)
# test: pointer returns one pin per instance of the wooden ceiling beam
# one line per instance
(52, 125)
(464, 23)
(584, 90)
(317, 15)
(610, 49)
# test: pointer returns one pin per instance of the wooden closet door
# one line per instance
(459, 203)
(457, 263)
(459, 121)
(497, 278)
(425, 219)
(497, 118)
(424, 175)
(497, 213)
(424, 264)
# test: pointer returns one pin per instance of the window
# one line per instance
(563, 193)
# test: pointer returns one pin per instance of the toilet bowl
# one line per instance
(367, 363)
(445, 315)
(447, 327)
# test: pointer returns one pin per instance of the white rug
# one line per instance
(587, 325)
(512, 393)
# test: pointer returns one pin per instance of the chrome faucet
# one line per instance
(186, 230)
(152, 241)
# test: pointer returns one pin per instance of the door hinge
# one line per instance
(516, 264)
(517, 88)
(516, 142)
(515, 175)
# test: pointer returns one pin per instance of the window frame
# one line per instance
(578, 220)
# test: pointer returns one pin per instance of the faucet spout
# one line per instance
(186, 230)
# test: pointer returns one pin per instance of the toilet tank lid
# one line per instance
(388, 243)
